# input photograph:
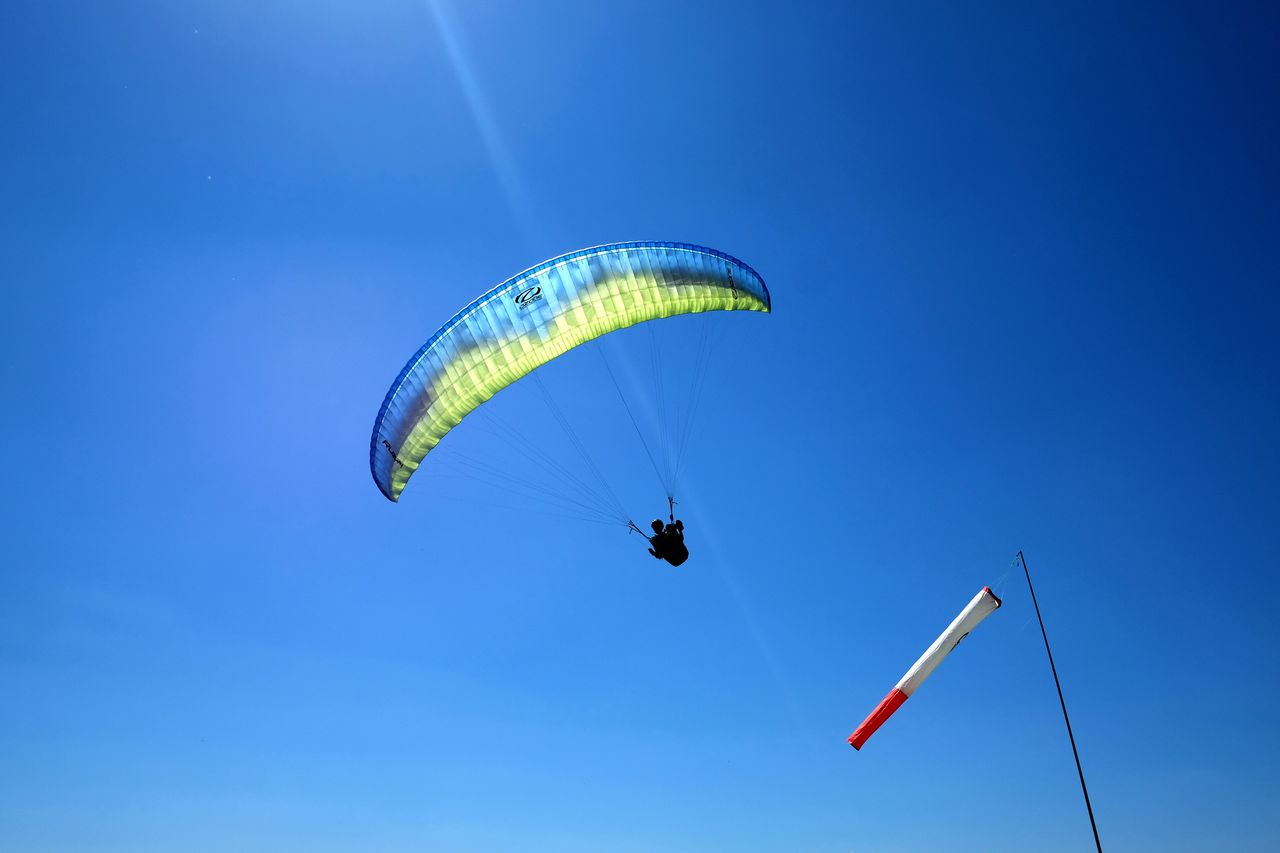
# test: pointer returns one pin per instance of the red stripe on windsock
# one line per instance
(876, 719)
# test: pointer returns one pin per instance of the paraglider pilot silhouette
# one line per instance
(668, 543)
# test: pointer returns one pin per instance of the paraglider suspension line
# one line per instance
(578, 445)
(627, 406)
(1063, 702)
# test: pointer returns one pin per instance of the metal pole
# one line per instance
(1062, 702)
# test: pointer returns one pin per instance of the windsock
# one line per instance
(982, 606)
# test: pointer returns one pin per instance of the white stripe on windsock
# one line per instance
(982, 606)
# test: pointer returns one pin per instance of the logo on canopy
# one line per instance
(392, 451)
(528, 296)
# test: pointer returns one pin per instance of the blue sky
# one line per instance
(1024, 266)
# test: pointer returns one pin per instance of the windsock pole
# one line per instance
(1063, 702)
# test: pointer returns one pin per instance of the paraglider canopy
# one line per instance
(534, 317)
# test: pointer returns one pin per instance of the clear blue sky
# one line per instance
(1024, 263)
